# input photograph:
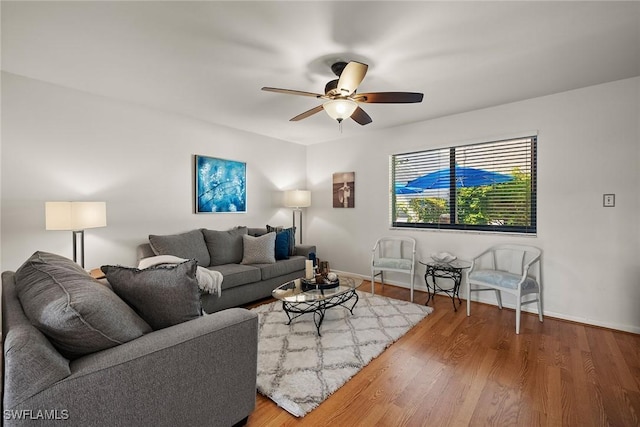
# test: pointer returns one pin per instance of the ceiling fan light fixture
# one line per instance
(342, 100)
(340, 109)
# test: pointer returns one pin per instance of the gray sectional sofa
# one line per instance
(91, 361)
(78, 352)
(224, 251)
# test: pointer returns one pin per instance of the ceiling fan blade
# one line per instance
(306, 114)
(389, 97)
(361, 117)
(351, 77)
(292, 92)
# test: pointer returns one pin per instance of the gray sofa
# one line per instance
(223, 251)
(201, 372)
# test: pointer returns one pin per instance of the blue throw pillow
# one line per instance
(292, 240)
(282, 244)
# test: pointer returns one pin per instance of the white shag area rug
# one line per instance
(298, 369)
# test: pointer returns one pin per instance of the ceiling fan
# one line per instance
(342, 99)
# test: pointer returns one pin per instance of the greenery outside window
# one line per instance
(489, 186)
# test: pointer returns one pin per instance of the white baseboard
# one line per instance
(419, 286)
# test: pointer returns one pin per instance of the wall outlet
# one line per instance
(609, 200)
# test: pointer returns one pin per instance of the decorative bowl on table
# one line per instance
(443, 257)
(322, 283)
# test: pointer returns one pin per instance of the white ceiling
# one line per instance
(208, 60)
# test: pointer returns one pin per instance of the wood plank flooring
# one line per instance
(454, 370)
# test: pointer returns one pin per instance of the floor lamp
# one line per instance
(75, 217)
(297, 199)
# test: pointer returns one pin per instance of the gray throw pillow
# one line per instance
(163, 295)
(77, 313)
(225, 247)
(259, 250)
(189, 245)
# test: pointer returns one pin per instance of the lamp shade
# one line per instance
(340, 109)
(75, 215)
(297, 198)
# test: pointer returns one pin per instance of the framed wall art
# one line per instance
(221, 185)
(344, 185)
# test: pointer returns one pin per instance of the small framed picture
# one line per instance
(344, 195)
(220, 185)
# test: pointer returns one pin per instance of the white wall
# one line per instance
(61, 144)
(588, 145)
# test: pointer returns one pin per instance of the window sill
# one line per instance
(482, 232)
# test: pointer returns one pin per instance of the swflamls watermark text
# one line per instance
(39, 414)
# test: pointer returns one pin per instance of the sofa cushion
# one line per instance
(282, 244)
(259, 250)
(31, 364)
(225, 247)
(292, 240)
(163, 295)
(274, 228)
(189, 245)
(280, 268)
(77, 313)
(237, 274)
(256, 231)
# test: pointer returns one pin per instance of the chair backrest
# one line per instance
(513, 258)
(395, 247)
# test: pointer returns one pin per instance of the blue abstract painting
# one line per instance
(220, 185)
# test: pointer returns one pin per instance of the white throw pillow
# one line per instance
(259, 250)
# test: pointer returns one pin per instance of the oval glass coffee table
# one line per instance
(299, 298)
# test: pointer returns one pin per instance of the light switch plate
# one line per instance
(609, 200)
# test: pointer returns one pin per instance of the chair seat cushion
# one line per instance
(502, 279)
(395, 263)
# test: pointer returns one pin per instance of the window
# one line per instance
(483, 187)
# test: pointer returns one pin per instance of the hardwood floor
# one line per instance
(454, 370)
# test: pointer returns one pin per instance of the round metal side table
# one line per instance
(444, 270)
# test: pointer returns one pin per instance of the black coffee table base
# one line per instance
(318, 308)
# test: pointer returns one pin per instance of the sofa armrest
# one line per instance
(305, 250)
(204, 369)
